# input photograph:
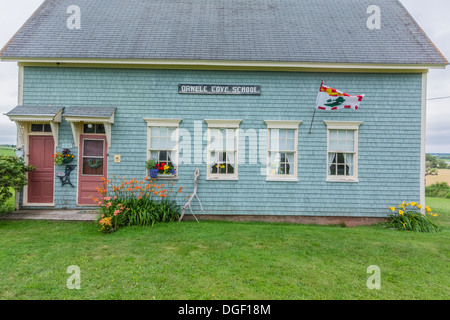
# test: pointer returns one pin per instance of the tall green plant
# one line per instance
(133, 202)
(12, 175)
(408, 217)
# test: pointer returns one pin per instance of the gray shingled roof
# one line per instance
(34, 111)
(89, 112)
(322, 31)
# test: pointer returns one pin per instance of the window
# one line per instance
(282, 148)
(93, 157)
(40, 127)
(163, 146)
(222, 157)
(342, 154)
(89, 128)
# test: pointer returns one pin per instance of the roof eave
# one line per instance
(148, 63)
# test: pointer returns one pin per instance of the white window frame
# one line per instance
(343, 125)
(283, 125)
(222, 124)
(172, 123)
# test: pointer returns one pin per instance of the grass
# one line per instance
(223, 260)
(8, 206)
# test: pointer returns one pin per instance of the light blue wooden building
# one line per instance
(228, 87)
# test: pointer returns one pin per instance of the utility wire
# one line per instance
(439, 98)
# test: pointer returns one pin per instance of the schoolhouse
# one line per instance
(229, 87)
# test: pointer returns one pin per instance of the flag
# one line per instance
(332, 99)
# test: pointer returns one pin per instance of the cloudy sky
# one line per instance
(432, 16)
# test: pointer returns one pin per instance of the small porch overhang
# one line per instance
(24, 115)
(77, 116)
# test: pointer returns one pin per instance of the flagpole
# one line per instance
(312, 120)
(315, 109)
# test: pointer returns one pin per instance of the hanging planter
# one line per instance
(63, 157)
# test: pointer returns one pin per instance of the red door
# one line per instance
(41, 181)
(92, 167)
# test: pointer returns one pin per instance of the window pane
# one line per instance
(164, 143)
(93, 148)
(333, 134)
(163, 132)
(282, 144)
(350, 135)
(290, 163)
(89, 128)
(154, 155)
(290, 144)
(93, 166)
(47, 128)
(162, 156)
(291, 134)
(341, 145)
(333, 146)
(230, 144)
(36, 127)
(350, 146)
(154, 143)
(154, 131)
(274, 163)
(342, 134)
(348, 158)
(100, 128)
(274, 139)
(172, 141)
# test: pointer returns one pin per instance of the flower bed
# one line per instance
(408, 217)
(133, 202)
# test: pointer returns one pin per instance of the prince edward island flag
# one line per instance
(332, 99)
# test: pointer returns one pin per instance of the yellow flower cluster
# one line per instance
(413, 205)
(105, 223)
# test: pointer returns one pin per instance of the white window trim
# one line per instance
(343, 125)
(222, 124)
(282, 124)
(173, 123)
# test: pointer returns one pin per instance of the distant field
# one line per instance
(443, 176)
(7, 151)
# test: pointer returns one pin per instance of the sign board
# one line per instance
(219, 89)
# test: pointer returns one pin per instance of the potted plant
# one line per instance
(154, 168)
(67, 156)
(63, 157)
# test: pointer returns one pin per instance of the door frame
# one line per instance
(26, 143)
(80, 162)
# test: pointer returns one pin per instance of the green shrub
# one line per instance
(438, 190)
(133, 202)
(409, 217)
(12, 176)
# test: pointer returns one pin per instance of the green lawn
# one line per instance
(223, 260)
(8, 206)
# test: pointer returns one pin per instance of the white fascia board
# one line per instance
(223, 63)
(282, 124)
